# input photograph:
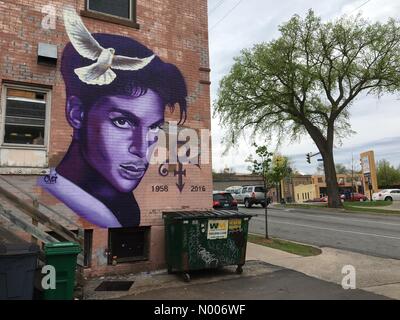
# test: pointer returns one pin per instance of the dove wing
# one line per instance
(130, 64)
(80, 37)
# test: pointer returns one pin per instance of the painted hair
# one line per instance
(163, 78)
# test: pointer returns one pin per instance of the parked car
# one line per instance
(325, 199)
(387, 195)
(250, 195)
(355, 196)
(234, 191)
(224, 200)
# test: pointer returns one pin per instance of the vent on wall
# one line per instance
(47, 54)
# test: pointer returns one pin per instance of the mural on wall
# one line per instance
(117, 91)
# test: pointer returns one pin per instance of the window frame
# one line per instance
(131, 22)
(3, 105)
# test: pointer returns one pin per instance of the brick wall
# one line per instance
(177, 31)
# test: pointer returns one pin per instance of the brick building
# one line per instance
(40, 122)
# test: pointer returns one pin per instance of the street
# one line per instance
(364, 233)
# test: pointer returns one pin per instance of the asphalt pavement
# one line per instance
(276, 284)
(377, 235)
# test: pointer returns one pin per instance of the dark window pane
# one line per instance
(259, 189)
(129, 244)
(26, 109)
(24, 135)
(119, 8)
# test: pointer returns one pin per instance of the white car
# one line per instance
(387, 195)
(234, 191)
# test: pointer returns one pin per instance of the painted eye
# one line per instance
(156, 127)
(121, 123)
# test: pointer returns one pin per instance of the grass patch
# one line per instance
(367, 204)
(372, 210)
(284, 245)
(370, 207)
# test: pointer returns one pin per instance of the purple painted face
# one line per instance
(120, 136)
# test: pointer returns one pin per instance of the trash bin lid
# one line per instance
(211, 214)
(10, 244)
(57, 248)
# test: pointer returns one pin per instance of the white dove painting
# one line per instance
(100, 72)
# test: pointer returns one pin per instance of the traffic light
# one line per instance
(308, 157)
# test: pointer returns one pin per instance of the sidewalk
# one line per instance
(377, 275)
(268, 274)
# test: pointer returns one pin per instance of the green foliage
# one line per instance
(387, 174)
(262, 165)
(280, 168)
(284, 245)
(305, 80)
(272, 167)
(342, 169)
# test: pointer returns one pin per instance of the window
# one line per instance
(259, 189)
(25, 116)
(116, 11)
(118, 8)
(244, 190)
(129, 244)
(222, 196)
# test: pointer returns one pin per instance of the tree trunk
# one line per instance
(325, 147)
(334, 200)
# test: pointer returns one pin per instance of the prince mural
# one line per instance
(116, 93)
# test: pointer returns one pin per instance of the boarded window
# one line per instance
(129, 244)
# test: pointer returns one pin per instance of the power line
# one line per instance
(217, 6)
(360, 6)
(226, 15)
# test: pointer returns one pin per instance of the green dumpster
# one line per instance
(205, 240)
(62, 256)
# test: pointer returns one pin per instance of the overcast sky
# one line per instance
(236, 24)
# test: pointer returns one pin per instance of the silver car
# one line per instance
(250, 195)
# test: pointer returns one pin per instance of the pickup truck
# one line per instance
(250, 195)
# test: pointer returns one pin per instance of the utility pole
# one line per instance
(352, 175)
(265, 172)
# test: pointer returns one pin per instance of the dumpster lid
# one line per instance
(61, 248)
(10, 244)
(213, 214)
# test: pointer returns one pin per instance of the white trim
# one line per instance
(26, 99)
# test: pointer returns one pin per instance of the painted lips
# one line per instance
(132, 171)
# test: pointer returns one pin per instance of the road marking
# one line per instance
(316, 215)
(339, 230)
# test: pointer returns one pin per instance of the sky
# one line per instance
(238, 24)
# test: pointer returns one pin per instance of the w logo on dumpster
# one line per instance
(217, 229)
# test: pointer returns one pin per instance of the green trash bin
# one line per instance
(205, 240)
(63, 257)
